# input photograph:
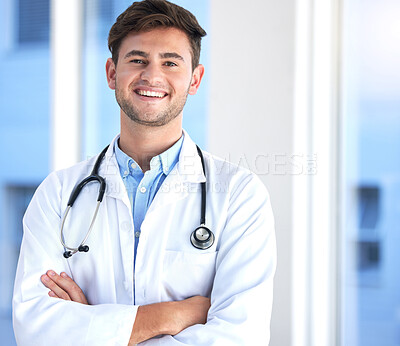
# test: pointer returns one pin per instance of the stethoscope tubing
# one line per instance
(72, 249)
(203, 190)
(94, 176)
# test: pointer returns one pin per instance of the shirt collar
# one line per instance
(164, 162)
(124, 161)
(170, 157)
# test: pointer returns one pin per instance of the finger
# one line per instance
(50, 284)
(68, 285)
(74, 290)
(52, 294)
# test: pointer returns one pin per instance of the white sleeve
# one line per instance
(241, 298)
(41, 320)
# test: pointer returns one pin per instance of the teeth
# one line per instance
(150, 93)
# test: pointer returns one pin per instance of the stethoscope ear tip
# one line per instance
(83, 248)
(67, 254)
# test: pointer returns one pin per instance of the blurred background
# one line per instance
(304, 93)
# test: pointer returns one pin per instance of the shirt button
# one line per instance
(133, 165)
(143, 189)
(137, 234)
(126, 173)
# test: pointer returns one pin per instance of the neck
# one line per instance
(144, 142)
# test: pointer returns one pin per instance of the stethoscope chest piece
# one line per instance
(202, 238)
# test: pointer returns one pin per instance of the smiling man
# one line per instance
(174, 258)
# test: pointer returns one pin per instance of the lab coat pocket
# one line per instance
(188, 274)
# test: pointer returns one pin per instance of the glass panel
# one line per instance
(33, 21)
(371, 173)
(100, 110)
(24, 130)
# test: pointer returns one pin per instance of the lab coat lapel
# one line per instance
(110, 171)
(119, 213)
(187, 171)
(175, 187)
(159, 222)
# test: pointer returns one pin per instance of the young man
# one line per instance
(145, 278)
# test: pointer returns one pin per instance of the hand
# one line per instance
(63, 287)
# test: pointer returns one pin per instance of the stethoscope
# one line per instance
(201, 238)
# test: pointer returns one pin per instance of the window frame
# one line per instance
(66, 33)
(316, 219)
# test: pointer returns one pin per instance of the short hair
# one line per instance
(146, 15)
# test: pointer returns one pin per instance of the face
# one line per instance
(153, 76)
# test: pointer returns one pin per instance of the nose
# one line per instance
(152, 74)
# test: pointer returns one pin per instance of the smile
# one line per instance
(149, 93)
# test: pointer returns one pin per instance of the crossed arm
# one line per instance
(242, 286)
(168, 318)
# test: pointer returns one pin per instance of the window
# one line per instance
(33, 21)
(368, 207)
(16, 199)
(24, 131)
(370, 253)
(369, 240)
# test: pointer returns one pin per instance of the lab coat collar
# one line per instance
(188, 169)
(109, 170)
(164, 162)
(189, 165)
(175, 186)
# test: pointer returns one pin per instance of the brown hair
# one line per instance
(146, 15)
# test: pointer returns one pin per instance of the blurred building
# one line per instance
(24, 129)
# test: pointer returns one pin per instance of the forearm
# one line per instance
(165, 318)
(152, 320)
(42, 321)
(168, 318)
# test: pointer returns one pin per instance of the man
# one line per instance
(142, 280)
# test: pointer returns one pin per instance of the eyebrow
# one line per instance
(135, 52)
(171, 55)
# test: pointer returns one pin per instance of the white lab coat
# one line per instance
(236, 272)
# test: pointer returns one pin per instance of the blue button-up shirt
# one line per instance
(142, 187)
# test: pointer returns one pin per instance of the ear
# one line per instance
(111, 73)
(197, 76)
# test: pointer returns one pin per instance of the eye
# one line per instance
(137, 61)
(170, 64)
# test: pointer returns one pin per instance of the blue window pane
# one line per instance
(371, 190)
(369, 206)
(33, 23)
(24, 130)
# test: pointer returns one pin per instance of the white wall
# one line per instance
(251, 69)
